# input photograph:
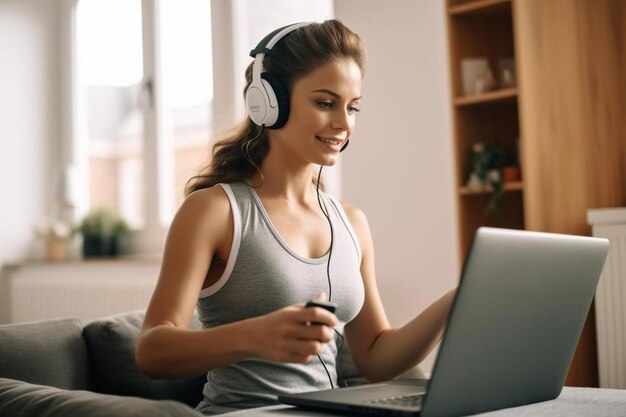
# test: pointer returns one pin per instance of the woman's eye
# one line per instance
(354, 109)
(326, 105)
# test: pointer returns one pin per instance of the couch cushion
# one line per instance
(21, 399)
(111, 345)
(50, 352)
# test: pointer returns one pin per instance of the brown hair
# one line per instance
(244, 147)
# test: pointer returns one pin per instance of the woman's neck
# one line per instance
(284, 180)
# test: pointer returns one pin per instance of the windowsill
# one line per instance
(148, 260)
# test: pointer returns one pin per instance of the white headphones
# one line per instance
(267, 99)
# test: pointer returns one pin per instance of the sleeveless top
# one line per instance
(262, 275)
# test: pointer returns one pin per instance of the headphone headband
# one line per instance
(268, 42)
(267, 99)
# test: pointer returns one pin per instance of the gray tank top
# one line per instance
(262, 275)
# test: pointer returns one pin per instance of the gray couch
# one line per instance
(60, 368)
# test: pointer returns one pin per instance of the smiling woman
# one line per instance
(256, 239)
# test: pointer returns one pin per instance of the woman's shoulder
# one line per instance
(207, 195)
(357, 218)
(206, 205)
(211, 196)
(355, 214)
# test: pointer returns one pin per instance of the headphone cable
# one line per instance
(330, 251)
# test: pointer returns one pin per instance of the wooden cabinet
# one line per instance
(563, 120)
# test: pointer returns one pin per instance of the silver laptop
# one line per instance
(511, 334)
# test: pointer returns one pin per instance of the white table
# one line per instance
(573, 402)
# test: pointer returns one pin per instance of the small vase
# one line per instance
(474, 182)
(512, 173)
(55, 250)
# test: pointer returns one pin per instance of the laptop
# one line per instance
(515, 322)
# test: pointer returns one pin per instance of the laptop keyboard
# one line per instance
(412, 400)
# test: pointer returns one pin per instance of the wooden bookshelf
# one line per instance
(564, 118)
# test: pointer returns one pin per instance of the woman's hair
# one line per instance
(244, 147)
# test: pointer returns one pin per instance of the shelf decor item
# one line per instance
(477, 76)
(56, 234)
(506, 72)
(511, 173)
(484, 173)
(102, 229)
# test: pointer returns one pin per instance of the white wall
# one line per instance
(28, 119)
(399, 167)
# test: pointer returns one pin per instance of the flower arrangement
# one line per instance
(484, 173)
(56, 234)
(54, 229)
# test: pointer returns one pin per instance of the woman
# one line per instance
(255, 240)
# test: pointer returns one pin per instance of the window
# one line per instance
(110, 74)
(187, 75)
(145, 86)
(147, 97)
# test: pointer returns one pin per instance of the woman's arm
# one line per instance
(201, 230)
(379, 351)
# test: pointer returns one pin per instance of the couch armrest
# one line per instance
(48, 352)
(22, 399)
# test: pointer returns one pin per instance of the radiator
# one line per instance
(610, 300)
(83, 290)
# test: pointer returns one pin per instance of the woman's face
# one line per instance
(323, 112)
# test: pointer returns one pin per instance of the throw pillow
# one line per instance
(111, 346)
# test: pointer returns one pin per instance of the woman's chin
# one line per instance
(329, 161)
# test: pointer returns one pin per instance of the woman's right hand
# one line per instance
(292, 334)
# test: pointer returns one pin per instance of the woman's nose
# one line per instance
(342, 120)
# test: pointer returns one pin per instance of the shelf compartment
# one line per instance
(472, 215)
(488, 36)
(495, 123)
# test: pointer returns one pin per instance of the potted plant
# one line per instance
(102, 229)
(484, 173)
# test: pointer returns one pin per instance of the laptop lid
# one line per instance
(511, 334)
(515, 322)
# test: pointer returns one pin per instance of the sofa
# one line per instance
(59, 367)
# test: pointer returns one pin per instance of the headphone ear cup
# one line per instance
(282, 98)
